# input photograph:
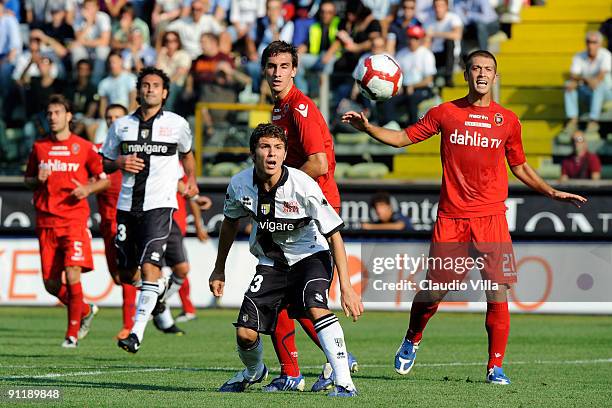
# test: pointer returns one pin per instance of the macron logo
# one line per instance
(302, 109)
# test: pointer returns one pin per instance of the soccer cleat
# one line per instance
(185, 317)
(70, 342)
(286, 383)
(173, 330)
(353, 363)
(131, 344)
(325, 381)
(340, 391)
(239, 383)
(404, 358)
(87, 320)
(496, 375)
(160, 306)
(123, 334)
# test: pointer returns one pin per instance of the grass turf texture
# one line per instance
(560, 361)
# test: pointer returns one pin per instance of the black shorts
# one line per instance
(300, 287)
(175, 250)
(142, 237)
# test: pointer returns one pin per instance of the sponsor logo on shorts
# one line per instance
(319, 297)
(155, 256)
(245, 318)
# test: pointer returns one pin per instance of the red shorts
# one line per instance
(459, 245)
(62, 247)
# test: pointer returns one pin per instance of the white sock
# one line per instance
(175, 285)
(252, 358)
(146, 303)
(164, 320)
(331, 337)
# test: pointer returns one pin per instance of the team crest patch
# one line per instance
(265, 209)
(75, 148)
(245, 317)
(499, 119)
(246, 200)
(144, 133)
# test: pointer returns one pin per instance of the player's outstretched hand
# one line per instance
(357, 120)
(81, 191)
(216, 282)
(43, 174)
(131, 163)
(575, 199)
(351, 303)
(202, 234)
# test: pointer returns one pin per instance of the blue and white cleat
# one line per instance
(286, 383)
(353, 363)
(239, 383)
(325, 381)
(340, 391)
(496, 376)
(405, 356)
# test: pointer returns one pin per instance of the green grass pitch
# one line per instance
(554, 361)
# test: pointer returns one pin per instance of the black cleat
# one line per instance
(131, 344)
(159, 308)
(173, 330)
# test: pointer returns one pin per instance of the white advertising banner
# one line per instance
(552, 277)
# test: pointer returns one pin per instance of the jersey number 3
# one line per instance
(256, 284)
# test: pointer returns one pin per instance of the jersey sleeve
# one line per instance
(232, 208)
(185, 139)
(426, 127)
(32, 167)
(308, 127)
(94, 163)
(110, 148)
(318, 208)
(514, 145)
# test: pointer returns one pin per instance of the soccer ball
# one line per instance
(379, 77)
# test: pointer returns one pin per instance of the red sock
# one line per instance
(62, 295)
(283, 340)
(129, 305)
(185, 299)
(498, 329)
(308, 327)
(75, 309)
(420, 313)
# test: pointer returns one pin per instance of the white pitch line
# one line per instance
(197, 369)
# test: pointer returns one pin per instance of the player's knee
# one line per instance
(315, 313)
(246, 337)
(127, 276)
(52, 286)
(181, 270)
(73, 274)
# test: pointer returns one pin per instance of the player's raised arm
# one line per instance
(395, 138)
(349, 299)
(527, 175)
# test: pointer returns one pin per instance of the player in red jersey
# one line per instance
(107, 207)
(58, 170)
(477, 134)
(310, 149)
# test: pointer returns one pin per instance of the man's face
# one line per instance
(115, 64)
(83, 70)
(378, 45)
(440, 8)
(328, 12)
(274, 10)
(198, 9)
(89, 10)
(209, 47)
(384, 211)
(112, 115)
(409, 8)
(152, 92)
(580, 144)
(413, 43)
(481, 75)
(269, 155)
(58, 118)
(593, 45)
(279, 72)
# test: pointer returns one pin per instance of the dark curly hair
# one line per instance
(152, 71)
(267, 130)
(279, 47)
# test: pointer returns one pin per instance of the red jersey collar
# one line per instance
(290, 95)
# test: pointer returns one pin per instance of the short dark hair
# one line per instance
(381, 197)
(178, 37)
(479, 53)
(152, 71)
(279, 47)
(116, 106)
(59, 99)
(267, 130)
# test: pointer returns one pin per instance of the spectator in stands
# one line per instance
(396, 38)
(93, 34)
(191, 28)
(175, 62)
(139, 54)
(83, 95)
(320, 50)
(164, 12)
(123, 27)
(13, 7)
(479, 20)
(589, 81)
(113, 7)
(582, 164)
(271, 27)
(418, 66)
(118, 87)
(10, 48)
(606, 30)
(444, 31)
(26, 66)
(57, 34)
(243, 16)
(51, 46)
(38, 12)
(387, 218)
(304, 18)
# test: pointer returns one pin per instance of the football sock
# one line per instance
(64, 297)
(184, 294)
(164, 320)
(331, 337)
(146, 303)
(283, 340)
(75, 309)
(252, 358)
(420, 313)
(175, 285)
(310, 330)
(497, 323)
(129, 305)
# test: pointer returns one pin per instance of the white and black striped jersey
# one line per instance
(290, 222)
(158, 142)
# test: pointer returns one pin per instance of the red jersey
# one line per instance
(583, 167)
(473, 145)
(180, 215)
(307, 134)
(107, 199)
(74, 158)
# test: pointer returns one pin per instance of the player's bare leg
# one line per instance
(250, 351)
(497, 323)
